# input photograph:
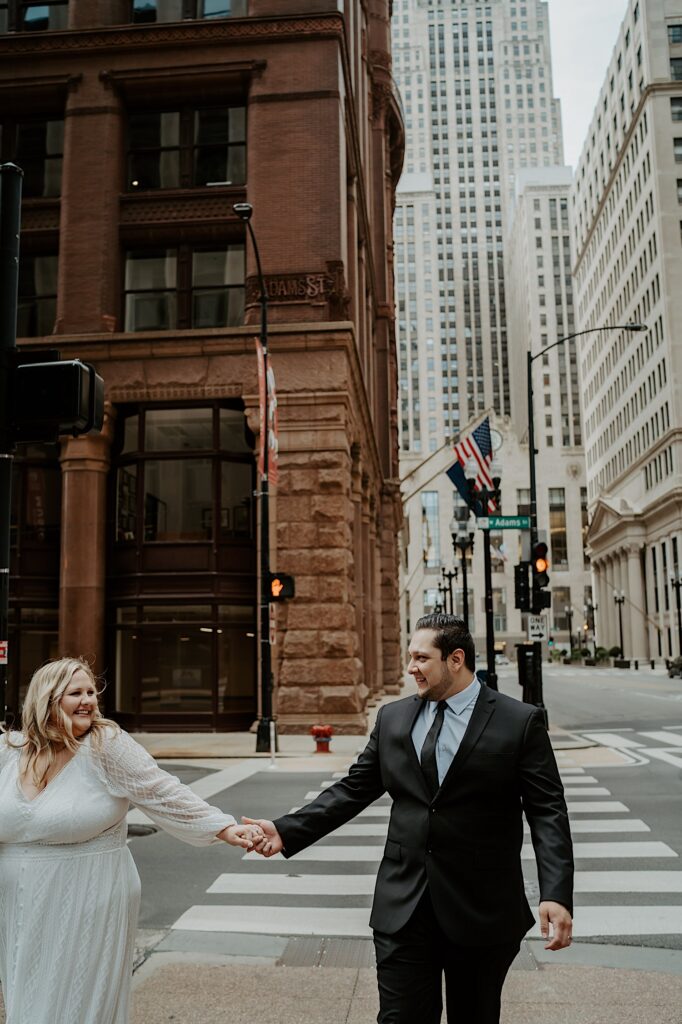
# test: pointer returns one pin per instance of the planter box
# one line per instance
(621, 663)
(589, 661)
(568, 661)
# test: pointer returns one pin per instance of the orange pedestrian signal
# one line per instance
(281, 586)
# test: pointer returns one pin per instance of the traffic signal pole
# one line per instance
(537, 647)
(10, 218)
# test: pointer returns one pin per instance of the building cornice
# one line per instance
(119, 38)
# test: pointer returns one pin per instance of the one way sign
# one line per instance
(537, 628)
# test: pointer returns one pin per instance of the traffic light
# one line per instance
(541, 598)
(522, 587)
(53, 398)
(281, 586)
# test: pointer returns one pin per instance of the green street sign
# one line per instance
(504, 523)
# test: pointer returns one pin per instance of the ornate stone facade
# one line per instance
(324, 145)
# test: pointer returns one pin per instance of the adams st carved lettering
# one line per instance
(293, 288)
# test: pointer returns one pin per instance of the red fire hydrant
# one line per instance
(323, 736)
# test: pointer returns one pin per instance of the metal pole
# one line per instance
(465, 585)
(10, 222)
(677, 583)
(620, 601)
(537, 649)
(489, 621)
(263, 733)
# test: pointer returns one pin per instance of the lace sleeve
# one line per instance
(7, 752)
(127, 770)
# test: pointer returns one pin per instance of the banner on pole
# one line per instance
(269, 433)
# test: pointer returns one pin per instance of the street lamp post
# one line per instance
(448, 578)
(530, 359)
(620, 601)
(462, 541)
(677, 583)
(569, 615)
(481, 500)
(266, 730)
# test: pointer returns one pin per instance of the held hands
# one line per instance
(245, 836)
(268, 842)
(556, 915)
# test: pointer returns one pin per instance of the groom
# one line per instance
(461, 763)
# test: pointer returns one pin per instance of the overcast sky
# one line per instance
(584, 33)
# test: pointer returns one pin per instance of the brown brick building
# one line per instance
(138, 124)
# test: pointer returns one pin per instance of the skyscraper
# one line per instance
(476, 82)
(628, 264)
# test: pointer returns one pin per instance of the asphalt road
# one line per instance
(628, 830)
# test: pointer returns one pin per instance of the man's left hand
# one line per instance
(558, 917)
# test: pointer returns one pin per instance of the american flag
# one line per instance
(476, 446)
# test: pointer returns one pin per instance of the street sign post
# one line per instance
(504, 523)
(537, 628)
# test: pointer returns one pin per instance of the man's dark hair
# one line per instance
(451, 635)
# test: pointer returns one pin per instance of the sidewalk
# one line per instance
(200, 989)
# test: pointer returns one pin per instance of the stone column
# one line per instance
(85, 465)
(390, 518)
(612, 625)
(635, 592)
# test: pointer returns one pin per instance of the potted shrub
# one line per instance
(618, 660)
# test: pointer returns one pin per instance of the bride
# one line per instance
(69, 889)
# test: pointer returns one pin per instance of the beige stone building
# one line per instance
(626, 221)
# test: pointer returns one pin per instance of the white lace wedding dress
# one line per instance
(69, 889)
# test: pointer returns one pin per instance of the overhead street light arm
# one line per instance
(634, 328)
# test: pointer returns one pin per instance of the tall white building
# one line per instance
(540, 311)
(476, 83)
(627, 223)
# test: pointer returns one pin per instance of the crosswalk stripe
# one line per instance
(373, 854)
(651, 848)
(665, 755)
(294, 885)
(629, 881)
(596, 807)
(354, 921)
(589, 825)
(592, 921)
(337, 921)
(585, 780)
(380, 828)
(588, 791)
(363, 885)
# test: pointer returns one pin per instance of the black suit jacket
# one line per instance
(464, 843)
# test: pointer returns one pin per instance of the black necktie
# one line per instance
(428, 754)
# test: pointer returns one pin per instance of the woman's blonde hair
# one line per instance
(45, 726)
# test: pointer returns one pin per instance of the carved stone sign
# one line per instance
(292, 288)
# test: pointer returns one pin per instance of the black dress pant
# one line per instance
(410, 967)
